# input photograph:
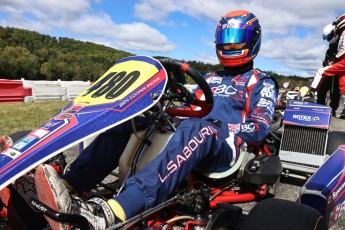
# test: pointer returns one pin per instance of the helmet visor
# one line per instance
(328, 37)
(226, 35)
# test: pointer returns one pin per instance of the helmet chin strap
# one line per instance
(235, 70)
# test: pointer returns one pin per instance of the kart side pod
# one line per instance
(263, 169)
(325, 190)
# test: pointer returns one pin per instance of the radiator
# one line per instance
(303, 148)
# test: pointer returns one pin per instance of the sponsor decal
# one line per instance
(306, 118)
(187, 151)
(231, 23)
(25, 141)
(11, 153)
(142, 90)
(338, 191)
(39, 133)
(216, 80)
(268, 91)
(224, 90)
(50, 124)
(234, 128)
(239, 81)
(38, 206)
(249, 128)
(268, 104)
(69, 113)
(298, 102)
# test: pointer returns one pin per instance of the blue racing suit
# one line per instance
(243, 108)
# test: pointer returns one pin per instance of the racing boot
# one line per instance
(52, 192)
(342, 115)
(333, 112)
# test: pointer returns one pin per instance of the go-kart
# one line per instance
(142, 85)
(301, 93)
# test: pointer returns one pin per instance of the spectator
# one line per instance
(330, 84)
(337, 66)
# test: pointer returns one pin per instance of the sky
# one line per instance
(184, 29)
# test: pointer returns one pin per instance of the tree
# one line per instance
(18, 62)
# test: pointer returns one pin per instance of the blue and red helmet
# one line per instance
(237, 27)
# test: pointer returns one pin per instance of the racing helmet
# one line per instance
(328, 33)
(238, 27)
(339, 24)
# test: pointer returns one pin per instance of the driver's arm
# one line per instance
(341, 48)
(259, 109)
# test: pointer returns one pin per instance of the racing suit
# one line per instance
(243, 108)
(337, 68)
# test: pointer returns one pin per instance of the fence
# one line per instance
(13, 90)
(29, 91)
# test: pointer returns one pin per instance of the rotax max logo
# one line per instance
(306, 118)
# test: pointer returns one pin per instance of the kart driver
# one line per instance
(337, 66)
(244, 101)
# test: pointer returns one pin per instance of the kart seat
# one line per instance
(156, 147)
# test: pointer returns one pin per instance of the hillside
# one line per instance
(34, 56)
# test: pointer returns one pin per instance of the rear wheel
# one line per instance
(272, 214)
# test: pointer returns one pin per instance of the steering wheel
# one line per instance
(179, 93)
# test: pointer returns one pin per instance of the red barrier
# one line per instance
(13, 91)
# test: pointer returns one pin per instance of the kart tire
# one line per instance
(335, 139)
(272, 214)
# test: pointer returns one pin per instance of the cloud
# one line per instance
(291, 29)
(300, 53)
(202, 57)
(77, 20)
(282, 22)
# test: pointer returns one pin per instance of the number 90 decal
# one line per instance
(118, 82)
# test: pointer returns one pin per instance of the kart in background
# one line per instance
(203, 201)
(300, 93)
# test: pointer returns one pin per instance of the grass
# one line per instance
(20, 116)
